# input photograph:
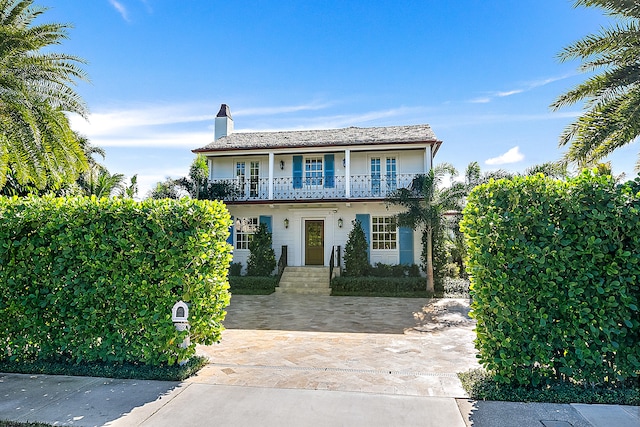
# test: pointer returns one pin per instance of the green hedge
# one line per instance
(377, 286)
(554, 269)
(95, 280)
(252, 285)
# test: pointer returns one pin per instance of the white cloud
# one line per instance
(121, 9)
(512, 156)
(267, 111)
(526, 87)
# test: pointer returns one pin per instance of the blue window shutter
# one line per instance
(297, 171)
(406, 245)
(329, 174)
(266, 220)
(366, 226)
(231, 229)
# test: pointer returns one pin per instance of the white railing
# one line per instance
(317, 188)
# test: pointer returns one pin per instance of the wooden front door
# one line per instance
(314, 242)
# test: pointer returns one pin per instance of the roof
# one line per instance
(324, 138)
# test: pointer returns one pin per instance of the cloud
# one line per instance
(121, 9)
(512, 156)
(267, 111)
(525, 88)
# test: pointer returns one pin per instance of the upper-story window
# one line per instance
(388, 181)
(384, 232)
(313, 171)
(245, 228)
(254, 177)
(392, 180)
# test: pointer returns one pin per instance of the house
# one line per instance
(309, 186)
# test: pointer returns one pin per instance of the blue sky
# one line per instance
(482, 73)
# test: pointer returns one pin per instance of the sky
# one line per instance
(482, 73)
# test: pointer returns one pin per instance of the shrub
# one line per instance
(356, 260)
(554, 270)
(252, 285)
(235, 269)
(262, 258)
(95, 280)
(378, 286)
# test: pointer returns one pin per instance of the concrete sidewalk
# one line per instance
(84, 401)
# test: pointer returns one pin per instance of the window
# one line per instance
(384, 232)
(375, 175)
(254, 182)
(392, 182)
(245, 229)
(313, 171)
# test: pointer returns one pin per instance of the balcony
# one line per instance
(316, 188)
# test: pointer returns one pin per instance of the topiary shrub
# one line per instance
(554, 270)
(262, 258)
(88, 280)
(356, 260)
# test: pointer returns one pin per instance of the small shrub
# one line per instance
(262, 260)
(235, 269)
(356, 261)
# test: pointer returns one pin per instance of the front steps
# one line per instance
(305, 280)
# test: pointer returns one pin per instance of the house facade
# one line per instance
(309, 186)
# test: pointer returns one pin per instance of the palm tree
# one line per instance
(37, 145)
(612, 116)
(426, 203)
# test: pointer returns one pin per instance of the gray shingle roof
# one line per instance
(324, 138)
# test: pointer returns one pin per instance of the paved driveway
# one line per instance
(401, 346)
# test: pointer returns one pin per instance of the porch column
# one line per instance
(210, 165)
(271, 161)
(347, 173)
(428, 159)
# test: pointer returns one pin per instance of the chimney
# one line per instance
(224, 122)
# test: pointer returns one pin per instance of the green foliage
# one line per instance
(37, 146)
(88, 279)
(612, 90)
(378, 286)
(398, 270)
(480, 385)
(554, 270)
(356, 260)
(252, 285)
(162, 372)
(262, 257)
(235, 269)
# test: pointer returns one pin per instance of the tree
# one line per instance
(37, 145)
(426, 203)
(612, 116)
(356, 262)
(262, 258)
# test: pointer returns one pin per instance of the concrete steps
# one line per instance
(305, 280)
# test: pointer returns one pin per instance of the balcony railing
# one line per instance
(316, 188)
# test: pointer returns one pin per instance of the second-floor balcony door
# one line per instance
(253, 189)
(314, 242)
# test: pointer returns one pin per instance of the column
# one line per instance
(347, 173)
(271, 161)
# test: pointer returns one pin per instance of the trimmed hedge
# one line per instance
(89, 280)
(252, 285)
(555, 272)
(377, 286)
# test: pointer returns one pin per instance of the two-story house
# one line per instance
(309, 186)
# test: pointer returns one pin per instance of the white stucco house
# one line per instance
(308, 186)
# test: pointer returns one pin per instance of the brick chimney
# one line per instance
(224, 122)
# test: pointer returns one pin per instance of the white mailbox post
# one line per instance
(180, 318)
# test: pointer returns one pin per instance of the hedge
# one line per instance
(383, 286)
(554, 269)
(253, 285)
(95, 280)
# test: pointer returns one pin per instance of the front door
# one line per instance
(314, 242)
